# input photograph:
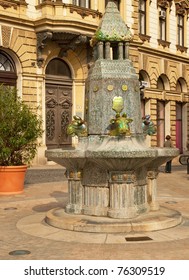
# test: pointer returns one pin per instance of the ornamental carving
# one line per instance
(50, 125)
(65, 119)
(164, 3)
(51, 103)
(6, 35)
(65, 104)
(66, 41)
(182, 8)
(122, 177)
(11, 3)
(42, 38)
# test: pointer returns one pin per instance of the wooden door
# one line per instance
(58, 115)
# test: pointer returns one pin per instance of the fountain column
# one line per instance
(95, 191)
(122, 204)
(75, 192)
(152, 190)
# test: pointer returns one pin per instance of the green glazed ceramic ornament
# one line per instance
(118, 104)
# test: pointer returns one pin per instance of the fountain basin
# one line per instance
(112, 177)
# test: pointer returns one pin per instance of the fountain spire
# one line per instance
(112, 74)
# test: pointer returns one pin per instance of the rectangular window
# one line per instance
(180, 27)
(82, 3)
(162, 24)
(142, 17)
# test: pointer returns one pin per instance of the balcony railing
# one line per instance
(83, 8)
(81, 3)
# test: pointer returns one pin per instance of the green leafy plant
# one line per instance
(20, 127)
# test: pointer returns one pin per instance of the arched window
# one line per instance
(58, 67)
(181, 85)
(7, 70)
(163, 82)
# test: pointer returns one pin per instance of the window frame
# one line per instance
(163, 25)
(82, 3)
(142, 17)
(180, 30)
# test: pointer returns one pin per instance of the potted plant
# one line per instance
(20, 127)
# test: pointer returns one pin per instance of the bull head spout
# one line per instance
(119, 126)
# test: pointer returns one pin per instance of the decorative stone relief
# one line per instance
(50, 125)
(182, 8)
(94, 176)
(64, 123)
(164, 3)
(11, 3)
(6, 35)
(124, 176)
(42, 38)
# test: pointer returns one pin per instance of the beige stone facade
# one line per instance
(48, 43)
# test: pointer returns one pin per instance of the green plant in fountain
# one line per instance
(20, 127)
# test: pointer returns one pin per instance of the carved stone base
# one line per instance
(96, 201)
(162, 219)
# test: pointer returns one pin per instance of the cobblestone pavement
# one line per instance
(22, 226)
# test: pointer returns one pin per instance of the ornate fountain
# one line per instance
(112, 174)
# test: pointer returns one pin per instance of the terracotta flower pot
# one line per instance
(12, 179)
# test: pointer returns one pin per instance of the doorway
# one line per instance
(58, 102)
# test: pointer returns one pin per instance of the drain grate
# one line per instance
(171, 202)
(19, 252)
(138, 238)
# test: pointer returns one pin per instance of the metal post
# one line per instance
(188, 165)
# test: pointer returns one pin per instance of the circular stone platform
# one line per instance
(158, 220)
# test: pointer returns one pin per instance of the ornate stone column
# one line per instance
(107, 50)
(122, 202)
(75, 192)
(152, 190)
(100, 50)
(126, 50)
(95, 191)
(120, 54)
(141, 191)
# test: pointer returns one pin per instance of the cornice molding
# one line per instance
(162, 54)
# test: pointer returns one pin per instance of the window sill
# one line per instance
(181, 48)
(163, 43)
(144, 37)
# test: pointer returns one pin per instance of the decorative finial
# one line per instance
(148, 126)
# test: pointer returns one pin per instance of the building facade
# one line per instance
(45, 52)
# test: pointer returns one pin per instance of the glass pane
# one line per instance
(58, 67)
(6, 64)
